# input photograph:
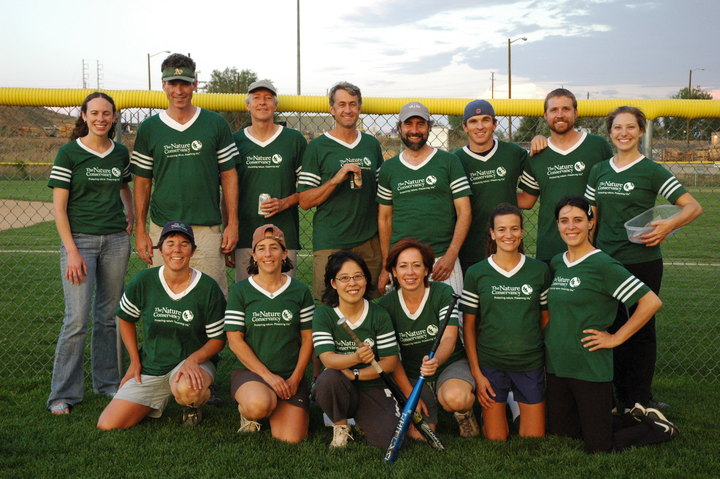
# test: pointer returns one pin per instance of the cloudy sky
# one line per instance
(394, 48)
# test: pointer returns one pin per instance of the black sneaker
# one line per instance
(637, 410)
(191, 416)
(668, 428)
(658, 404)
(214, 400)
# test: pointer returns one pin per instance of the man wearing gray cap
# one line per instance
(269, 161)
(188, 153)
(424, 194)
(493, 168)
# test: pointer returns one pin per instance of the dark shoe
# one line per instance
(191, 416)
(214, 400)
(658, 404)
(637, 410)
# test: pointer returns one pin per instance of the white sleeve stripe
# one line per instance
(669, 193)
(321, 333)
(60, 178)
(623, 285)
(214, 330)
(212, 325)
(309, 176)
(631, 292)
(60, 169)
(323, 342)
(305, 319)
(391, 334)
(234, 323)
(231, 146)
(459, 182)
(669, 186)
(529, 180)
(129, 307)
(383, 189)
(143, 165)
(140, 156)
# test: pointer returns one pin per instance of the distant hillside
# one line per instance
(33, 120)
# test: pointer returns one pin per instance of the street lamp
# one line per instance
(689, 96)
(510, 42)
(149, 56)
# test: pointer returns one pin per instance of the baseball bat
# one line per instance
(396, 440)
(422, 426)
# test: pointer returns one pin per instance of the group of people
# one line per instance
(413, 230)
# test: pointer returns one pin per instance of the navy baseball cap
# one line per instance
(478, 107)
(177, 227)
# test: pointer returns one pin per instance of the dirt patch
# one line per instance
(19, 214)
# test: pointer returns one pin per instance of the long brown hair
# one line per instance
(81, 127)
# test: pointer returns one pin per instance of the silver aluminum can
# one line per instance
(261, 199)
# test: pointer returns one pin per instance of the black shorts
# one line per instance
(238, 377)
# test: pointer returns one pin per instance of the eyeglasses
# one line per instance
(346, 278)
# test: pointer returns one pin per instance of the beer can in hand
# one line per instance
(261, 199)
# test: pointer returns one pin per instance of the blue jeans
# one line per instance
(106, 257)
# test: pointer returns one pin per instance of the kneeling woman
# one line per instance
(348, 388)
(268, 323)
(582, 301)
(182, 313)
(505, 308)
(416, 307)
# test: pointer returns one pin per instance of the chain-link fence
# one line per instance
(31, 303)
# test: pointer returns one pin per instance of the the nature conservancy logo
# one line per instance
(182, 149)
(363, 163)
(629, 186)
(431, 180)
(615, 188)
(287, 315)
(561, 171)
(187, 315)
(259, 161)
(501, 291)
(579, 166)
(196, 145)
(574, 282)
(98, 174)
(565, 284)
(369, 341)
(271, 318)
(162, 314)
(367, 161)
(432, 330)
(178, 71)
(501, 171)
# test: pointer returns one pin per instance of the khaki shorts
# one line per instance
(369, 251)
(207, 258)
(242, 257)
(154, 391)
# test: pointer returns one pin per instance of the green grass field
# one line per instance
(35, 444)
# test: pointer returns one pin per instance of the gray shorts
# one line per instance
(457, 370)
(154, 391)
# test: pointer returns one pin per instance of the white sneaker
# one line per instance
(467, 423)
(341, 434)
(246, 425)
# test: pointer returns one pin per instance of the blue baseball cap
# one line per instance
(177, 227)
(478, 107)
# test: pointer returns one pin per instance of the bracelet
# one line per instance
(357, 375)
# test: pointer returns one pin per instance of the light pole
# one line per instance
(149, 56)
(689, 96)
(510, 42)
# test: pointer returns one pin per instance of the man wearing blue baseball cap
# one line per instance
(493, 168)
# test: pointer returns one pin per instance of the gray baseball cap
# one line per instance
(414, 108)
(265, 84)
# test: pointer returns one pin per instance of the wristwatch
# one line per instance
(357, 375)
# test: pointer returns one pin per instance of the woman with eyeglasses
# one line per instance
(417, 306)
(349, 387)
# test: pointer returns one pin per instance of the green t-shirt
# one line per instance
(94, 180)
(623, 193)
(493, 180)
(174, 325)
(553, 174)
(584, 295)
(348, 217)
(422, 197)
(417, 332)
(374, 328)
(507, 307)
(185, 162)
(271, 321)
(271, 167)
